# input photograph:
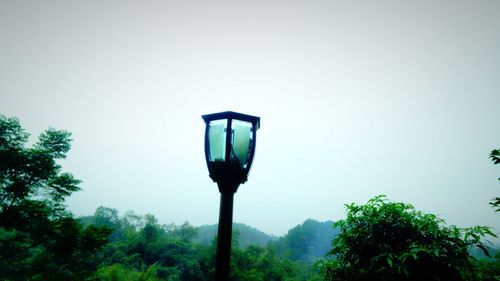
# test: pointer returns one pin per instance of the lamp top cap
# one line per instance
(232, 115)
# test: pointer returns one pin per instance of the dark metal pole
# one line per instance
(223, 256)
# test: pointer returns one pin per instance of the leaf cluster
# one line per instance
(495, 157)
(384, 240)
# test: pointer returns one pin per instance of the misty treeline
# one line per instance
(142, 249)
(380, 240)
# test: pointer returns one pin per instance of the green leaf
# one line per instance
(389, 261)
(485, 251)
(405, 271)
(495, 156)
(489, 232)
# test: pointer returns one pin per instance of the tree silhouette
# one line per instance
(39, 239)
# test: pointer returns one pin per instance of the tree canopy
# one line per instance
(39, 239)
(383, 240)
(142, 249)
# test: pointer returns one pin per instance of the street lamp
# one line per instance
(229, 149)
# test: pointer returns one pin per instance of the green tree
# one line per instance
(490, 268)
(39, 239)
(145, 243)
(306, 242)
(495, 157)
(383, 240)
(118, 272)
(256, 263)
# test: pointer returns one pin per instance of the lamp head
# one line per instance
(230, 147)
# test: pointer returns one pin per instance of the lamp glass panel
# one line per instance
(241, 141)
(217, 140)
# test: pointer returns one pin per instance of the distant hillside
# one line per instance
(246, 235)
(493, 250)
(306, 242)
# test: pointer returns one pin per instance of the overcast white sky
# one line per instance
(356, 99)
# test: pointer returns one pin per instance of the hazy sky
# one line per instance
(356, 99)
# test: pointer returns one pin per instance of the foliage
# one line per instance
(261, 264)
(39, 239)
(383, 240)
(119, 272)
(489, 269)
(495, 157)
(139, 243)
(247, 235)
(306, 242)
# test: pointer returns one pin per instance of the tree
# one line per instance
(256, 263)
(383, 240)
(495, 157)
(169, 252)
(490, 268)
(307, 242)
(39, 239)
(118, 272)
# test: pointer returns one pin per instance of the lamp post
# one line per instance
(229, 150)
